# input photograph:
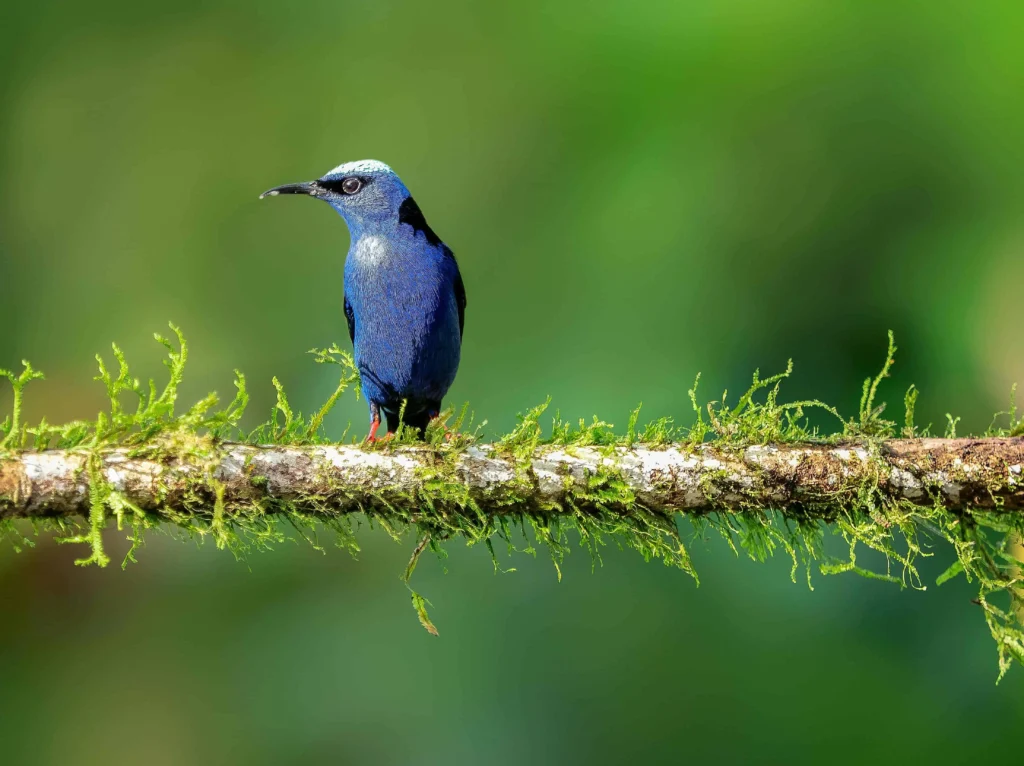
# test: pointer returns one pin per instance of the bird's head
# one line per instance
(364, 192)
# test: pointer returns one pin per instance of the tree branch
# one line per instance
(800, 480)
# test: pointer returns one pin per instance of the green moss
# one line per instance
(11, 428)
(601, 510)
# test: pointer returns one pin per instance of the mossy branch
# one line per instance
(424, 485)
(756, 473)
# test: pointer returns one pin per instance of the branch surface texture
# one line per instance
(799, 480)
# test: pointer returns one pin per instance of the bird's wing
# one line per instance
(350, 317)
(460, 289)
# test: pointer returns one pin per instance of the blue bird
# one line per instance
(404, 298)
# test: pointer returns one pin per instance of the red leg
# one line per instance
(374, 422)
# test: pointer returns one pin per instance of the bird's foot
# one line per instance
(372, 438)
(448, 433)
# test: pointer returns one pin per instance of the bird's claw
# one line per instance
(448, 433)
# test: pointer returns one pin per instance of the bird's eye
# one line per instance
(351, 185)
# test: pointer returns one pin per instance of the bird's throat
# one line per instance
(372, 251)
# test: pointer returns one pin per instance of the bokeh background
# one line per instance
(636, 192)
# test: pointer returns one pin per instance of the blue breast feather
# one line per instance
(405, 303)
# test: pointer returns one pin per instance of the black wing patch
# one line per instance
(350, 317)
(460, 289)
(409, 212)
(460, 300)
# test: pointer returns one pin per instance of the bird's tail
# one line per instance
(415, 420)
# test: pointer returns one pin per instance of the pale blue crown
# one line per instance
(360, 167)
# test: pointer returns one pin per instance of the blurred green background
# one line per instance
(636, 192)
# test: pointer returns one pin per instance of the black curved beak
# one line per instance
(307, 187)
